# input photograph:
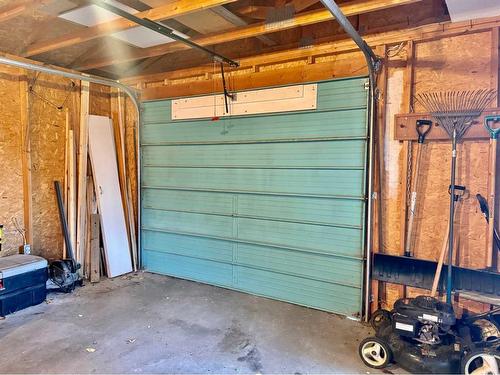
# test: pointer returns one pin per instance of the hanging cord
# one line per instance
(60, 107)
(214, 67)
(395, 50)
(19, 229)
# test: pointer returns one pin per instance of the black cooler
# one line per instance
(23, 281)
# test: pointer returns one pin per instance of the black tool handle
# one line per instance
(423, 127)
(459, 191)
(64, 223)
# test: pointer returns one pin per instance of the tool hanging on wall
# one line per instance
(459, 193)
(483, 205)
(490, 122)
(455, 111)
(423, 127)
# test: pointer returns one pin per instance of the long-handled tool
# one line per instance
(64, 272)
(459, 192)
(489, 123)
(455, 111)
(423, 127)
(483, 205)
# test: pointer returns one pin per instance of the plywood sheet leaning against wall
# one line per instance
(11, 193)
(131, 149)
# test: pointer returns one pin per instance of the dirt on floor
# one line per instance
(146, 323)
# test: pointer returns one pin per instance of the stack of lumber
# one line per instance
(80, 195)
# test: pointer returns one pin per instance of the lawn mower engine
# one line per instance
(417, 334)
(423, 319)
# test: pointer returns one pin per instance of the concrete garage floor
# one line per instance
(149, 323)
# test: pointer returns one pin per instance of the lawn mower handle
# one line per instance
(488, 121)
(422, 133)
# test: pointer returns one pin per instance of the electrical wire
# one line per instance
(19, 229)
(44, 99)
(395, 50)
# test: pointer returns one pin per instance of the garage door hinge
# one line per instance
(367, 85)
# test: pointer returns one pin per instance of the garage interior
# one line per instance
(249, 186)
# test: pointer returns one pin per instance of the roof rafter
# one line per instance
(253, 30)
(8, 12)
(170, 10)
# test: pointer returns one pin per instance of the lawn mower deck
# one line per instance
(422, 335)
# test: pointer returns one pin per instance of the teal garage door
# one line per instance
(271, 205)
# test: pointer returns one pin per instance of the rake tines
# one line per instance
(455, 111)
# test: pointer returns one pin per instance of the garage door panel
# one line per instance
(346, 123)
(278, 181)
(186, 222)
(328, 239)
(189, 201)
(190, 246)
(342, 94)
(327, 154)
(340, 212)
(189, 268)
(317, 294)
(272, 204)
(157, 112)
(315, 266)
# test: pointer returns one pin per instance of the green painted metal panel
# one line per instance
(267, 204)
(326, 154)
(309, 237)
(300, 125)
(324, 182)
(339, 212)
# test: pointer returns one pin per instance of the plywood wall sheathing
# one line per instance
(439, 65)
(49, 95)
(11, 191)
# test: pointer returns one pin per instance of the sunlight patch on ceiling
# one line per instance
(140, 36)
(462, 10)
(92, 15)
(144, 38)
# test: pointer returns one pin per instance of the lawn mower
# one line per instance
(423, 335)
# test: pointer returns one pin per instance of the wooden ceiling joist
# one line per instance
(261, 28)
(286, 75)
(170, 10)
(300, 5)
(255, 11)
(8, 12)
(237, 21)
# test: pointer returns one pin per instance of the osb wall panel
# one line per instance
(442, 65)
(11, 187)
(439, 65)
(100, 103)
(48, 101)
(51, 96)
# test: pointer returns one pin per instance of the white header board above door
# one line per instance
(280, 99)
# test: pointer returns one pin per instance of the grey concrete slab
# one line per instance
(148, 323)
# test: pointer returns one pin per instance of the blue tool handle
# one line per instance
(488, 123)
